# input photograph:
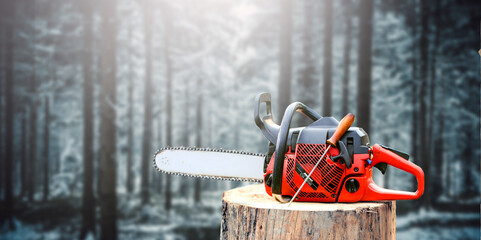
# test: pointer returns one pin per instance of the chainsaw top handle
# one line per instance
(281, 144)
(266, 123)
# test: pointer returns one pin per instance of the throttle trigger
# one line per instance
(382, 167)
(343, 154)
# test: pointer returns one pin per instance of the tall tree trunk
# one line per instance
(108, 130)
(412, 17)
(44, 80)
(33, 149)
(33, 117)
(46, 150)
(327, 68)
(167, 19)
(186, 182)
(7, 212)
(157, 186)
(424, 45)
(364, 64)
(88, 199)
(435, 190)
(347, 57)
(130, 115)
(24, 154)
(159, 182)
(439, 156)
(98, 96)
(185, 139)
(307, 82)
(236, 124)
(3, 27)
(285, 57)
(2, 150)
(50, 41)
(198, 137)
(146, 141)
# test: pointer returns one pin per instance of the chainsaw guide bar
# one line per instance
(240, 162)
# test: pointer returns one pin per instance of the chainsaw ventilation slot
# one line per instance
(327, 174)
(290, 181)
(290, 171)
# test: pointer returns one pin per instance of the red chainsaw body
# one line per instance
(344, 174)
(329, 178)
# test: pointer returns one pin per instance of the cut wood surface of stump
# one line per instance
(249, 213)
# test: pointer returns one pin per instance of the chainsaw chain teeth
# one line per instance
(208, 150)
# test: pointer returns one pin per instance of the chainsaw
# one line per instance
(325, 161)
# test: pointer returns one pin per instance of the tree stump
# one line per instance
(249, 213)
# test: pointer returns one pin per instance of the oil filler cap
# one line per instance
(352, 185)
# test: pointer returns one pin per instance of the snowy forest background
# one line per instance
(90, 89)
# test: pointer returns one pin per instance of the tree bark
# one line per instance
(285, 57)
(327, 68)
(88, 199)
(147, 134)
(347, 58)
(364, 64)
(249, 213)
(46, 150)
(108, 130)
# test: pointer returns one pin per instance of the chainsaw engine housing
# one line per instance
(306, 146)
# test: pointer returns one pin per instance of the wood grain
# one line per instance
(249, 213)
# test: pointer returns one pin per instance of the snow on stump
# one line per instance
(249, 213)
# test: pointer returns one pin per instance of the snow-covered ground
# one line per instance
(439, 233)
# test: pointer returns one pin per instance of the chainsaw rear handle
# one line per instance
(267, 125)
(281, 144)
(374, 192)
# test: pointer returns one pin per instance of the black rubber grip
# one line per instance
(281, 145)
(266, 123)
